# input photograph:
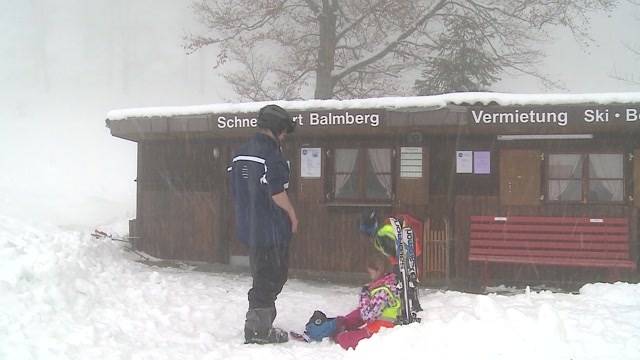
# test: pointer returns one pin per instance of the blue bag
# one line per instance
(319, 326)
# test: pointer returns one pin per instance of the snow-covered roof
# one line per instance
(389, 103)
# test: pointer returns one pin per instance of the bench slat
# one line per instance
(550, 229)
(549, 220)
(625, 264)
(478, 235)
(510, 244)
(552, 253)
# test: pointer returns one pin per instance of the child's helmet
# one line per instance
(384, 240)
(368, 222)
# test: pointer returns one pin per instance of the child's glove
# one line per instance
(319, 326)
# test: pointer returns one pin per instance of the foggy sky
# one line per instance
(65, 63)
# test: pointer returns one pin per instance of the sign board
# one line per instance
(531, 119)
(310, 162)
(482, 162)
(335, 118)
(464, 162)
(410, 162)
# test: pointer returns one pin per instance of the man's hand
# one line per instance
(282, 200)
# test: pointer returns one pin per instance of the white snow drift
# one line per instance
(65, 295)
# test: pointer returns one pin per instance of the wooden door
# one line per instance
(520, 177)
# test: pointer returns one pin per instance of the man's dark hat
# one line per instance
(276, 119)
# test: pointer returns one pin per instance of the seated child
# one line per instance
(379, 306)
(384, 240)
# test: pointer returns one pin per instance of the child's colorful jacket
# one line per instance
(380, 300)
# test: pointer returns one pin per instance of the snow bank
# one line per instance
(65, 295)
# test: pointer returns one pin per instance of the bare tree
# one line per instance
(634, 49)
(360, 48)
(632, 79)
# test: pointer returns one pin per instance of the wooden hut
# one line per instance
(459, 163)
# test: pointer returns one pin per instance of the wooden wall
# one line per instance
(184, 210)
(182, 225)
(181, 210)
(329, 237)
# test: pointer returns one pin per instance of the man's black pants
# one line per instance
(269, 269)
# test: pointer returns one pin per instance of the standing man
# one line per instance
(265, 219)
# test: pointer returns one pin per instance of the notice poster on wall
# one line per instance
(311, 162)
(464, 162)
(482, 162)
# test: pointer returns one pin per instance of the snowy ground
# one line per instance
(65, 295)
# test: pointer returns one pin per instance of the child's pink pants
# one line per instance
(350, 332)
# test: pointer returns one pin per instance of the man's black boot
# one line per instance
(258, 328)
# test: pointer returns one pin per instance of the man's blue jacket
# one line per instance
(258, 171)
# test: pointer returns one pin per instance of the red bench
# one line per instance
(555, 241)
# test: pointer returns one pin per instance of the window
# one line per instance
(565, 177)
(362, 174)
(606, 177)
(585, 178)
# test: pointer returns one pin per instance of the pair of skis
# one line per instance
(407, 272)
(103, 235)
